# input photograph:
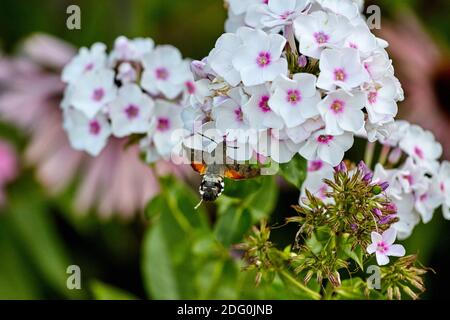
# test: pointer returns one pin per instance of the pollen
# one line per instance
(294, 96)
(264, 104)
(162, 74)
(263, 59)
(98, 94)
(321, 37)
(340, 75)
(94, 127)
(132, 111)
(324, 139)
(337, 106)
(163, 124)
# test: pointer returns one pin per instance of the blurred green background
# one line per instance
(40, 235)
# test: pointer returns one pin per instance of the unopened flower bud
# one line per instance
(335, 279)
(386, 219)
(308, 277)
(341, 167)
(391, 208)
(363, 167)
(376, 190)
(380, 188)
(377, 212)
(390, 293)
(368, 177)
(258, 278)
(384, 186)
(410, 293)
(302, 61)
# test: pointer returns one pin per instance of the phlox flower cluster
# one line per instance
(293, 76)
(416, 182)
(136, 89)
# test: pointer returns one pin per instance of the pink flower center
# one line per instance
(340, 75)
(163, 124)
(321, 37)
(442, 187)
(382, 247)
(409, 178)
(162, 74)
(293, 96)
(89, 67)
(337, 106)
(324, 139)
(94, 127)
(353, 45)
(132, 111)
(263, 59)
(239, 114)
(423, 197)
(264, 104)
(190, 86)
(265, 1)
(315, 166)
(98, 94)
(372, 97)
(419, 152)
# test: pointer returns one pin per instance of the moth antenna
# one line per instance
(198, 205)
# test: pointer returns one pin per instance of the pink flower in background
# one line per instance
(8, 167)
(116, 182)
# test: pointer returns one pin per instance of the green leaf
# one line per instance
(263, 202)
(168, 263)
(294, 171)
(37, 233)
(181, 201)
(16, 279)
(241, 188)
(103, 291)
(347, 252)
(154, 207)
(314, 244)
(297, 287)
(158, 269)
(233, 223)
(351, 289)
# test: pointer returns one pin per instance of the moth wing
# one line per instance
(241, 171)
(199, 167)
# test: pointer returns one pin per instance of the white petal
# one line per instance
(396, 250)
(389, 236)
(375, 237)
(382, 259)
(371, 248)
(331, 155)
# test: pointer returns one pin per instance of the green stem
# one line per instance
(384, 154)
(182, 221)
(368, 157)
(312, 294)
(328, 291)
